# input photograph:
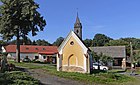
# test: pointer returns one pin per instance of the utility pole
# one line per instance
(131, 56)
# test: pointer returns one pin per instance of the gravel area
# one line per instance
(47, 79)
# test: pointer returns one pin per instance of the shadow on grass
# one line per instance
(120, 71)
(117, 71)
(41, 62)
(96, 71)
(20, 69)
(38, 62)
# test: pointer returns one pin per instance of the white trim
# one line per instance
(3, 49)
(76, 38)
(59, 62)
(64, 43)
(80, 42)
(73, 65)
(64, 65)
(58, 65)
(84, 48)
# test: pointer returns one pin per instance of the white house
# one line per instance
(42, 53)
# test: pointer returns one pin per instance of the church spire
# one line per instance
(78, 27)
(77, 19)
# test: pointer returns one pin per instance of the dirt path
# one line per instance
(48, 79)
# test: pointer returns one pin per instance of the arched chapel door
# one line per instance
(72, 60)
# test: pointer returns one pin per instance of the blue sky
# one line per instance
(114, 18)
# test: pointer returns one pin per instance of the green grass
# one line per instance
(17, 78)
(103, 78)
(108, 78)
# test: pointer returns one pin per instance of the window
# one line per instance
(36, 57)
(27, 48)
(43, 49)
(71, 43)
(77, 31)
(44, 57)
(117, 61)
(36, 48)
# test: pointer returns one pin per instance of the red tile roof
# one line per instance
(48, 53)
(33, 49)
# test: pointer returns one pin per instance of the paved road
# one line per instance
(130, 74)
(48, 79)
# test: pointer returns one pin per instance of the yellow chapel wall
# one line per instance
(75, 51)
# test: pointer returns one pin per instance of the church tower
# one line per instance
(78, 27)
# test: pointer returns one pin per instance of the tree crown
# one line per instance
(20, 16)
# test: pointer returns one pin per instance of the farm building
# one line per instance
(40, 53)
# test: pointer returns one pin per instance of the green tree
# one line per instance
(34, 42)
(101, 58)
(18, 18)
(58, 41)
(135, 42)
(42, 43)
(88, 42)
(22, 42)
(2, 42)
(117, 43)
(95, 56)
(120, 43)
(100, 40)
(136, 57)
(105, 59)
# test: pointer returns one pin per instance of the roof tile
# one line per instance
(32, 49)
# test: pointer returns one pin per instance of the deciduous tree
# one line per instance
(101, 58)
(42, 42)
(135, 42)
(120, 43)
(58, 41)
(26, 41)
(88, 42)
(100, 40)
(18, 18)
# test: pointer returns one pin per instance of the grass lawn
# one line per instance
(17, 78)
(108, 78)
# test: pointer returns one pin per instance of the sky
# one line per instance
(114, 18)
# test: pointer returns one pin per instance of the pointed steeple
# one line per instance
(77, 23)
(78, 27)
(77, 19)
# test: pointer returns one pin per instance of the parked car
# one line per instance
(102, 67)
(26, 59)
